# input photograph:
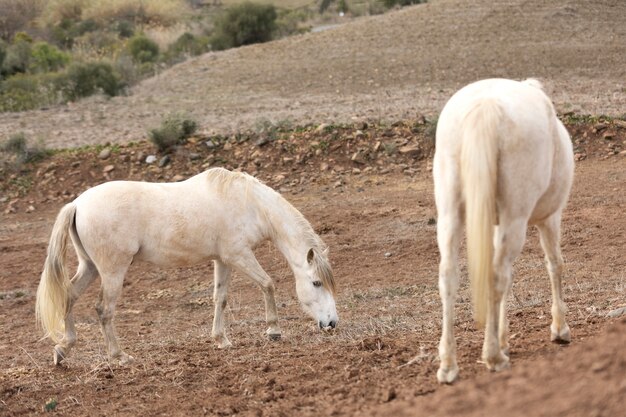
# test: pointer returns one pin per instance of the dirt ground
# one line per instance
(367, 190)
(377, 216)
(388, 67)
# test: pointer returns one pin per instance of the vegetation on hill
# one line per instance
(55, 51)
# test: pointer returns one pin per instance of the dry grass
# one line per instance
(153, 12)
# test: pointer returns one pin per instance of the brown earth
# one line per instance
(368, 192)
(367, 189)
(389, 67)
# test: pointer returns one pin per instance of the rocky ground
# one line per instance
(367, 190)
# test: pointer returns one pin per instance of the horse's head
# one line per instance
(316, 288)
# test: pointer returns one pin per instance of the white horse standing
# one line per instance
(506, 161)
(218, 214)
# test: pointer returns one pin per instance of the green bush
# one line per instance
(47, 58)
(18, 55)
(143, 49)
(187, 44)
(244, 24)
(30, 91)
(124, 28)
(174, 129)
(85, 79)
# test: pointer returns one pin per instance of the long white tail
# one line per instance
(53, 292)
(479, 165)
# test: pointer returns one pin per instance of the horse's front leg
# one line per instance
(220, 289)
(247, 264)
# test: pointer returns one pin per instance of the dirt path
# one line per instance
(389, 67)
(388, 305)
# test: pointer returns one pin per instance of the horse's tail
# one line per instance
(53, 295)
(479, 165)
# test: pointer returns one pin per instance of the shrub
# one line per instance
(124, 28)
(47, 58)
(18, 55)
(244, 24)
(85, 79)
(143, 49)
(16, 151)
(30, 91)
(187, 44)
(174, 129)
(289, 22)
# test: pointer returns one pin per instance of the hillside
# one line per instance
(386, 67)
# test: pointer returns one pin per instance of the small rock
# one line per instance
(209, 144)
(356, 171)
(322, 127)
(194, 156)
(324, 166)
(617, 312)
(608, 135)
(263, 140)
(579, 156)
(108, 168)
(164, 161)
(359, 134)
(287, 160)
(177, 178)
(30, 209)
(410, 150)
(228, 146)
(337, 184)
(377, 146)
(387, 254)
(389, 395)
(150, 159)
(620, 123)
(105, 153)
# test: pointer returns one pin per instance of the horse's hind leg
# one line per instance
(85, 275)
(509, 239)
(109, 294)
(247, 264)
(448, 235)
(549, 233)
(220, 289)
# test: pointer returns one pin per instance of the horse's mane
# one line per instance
(225, 179)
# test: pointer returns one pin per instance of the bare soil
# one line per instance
(389, 67)
(367, 189)
(377, 214)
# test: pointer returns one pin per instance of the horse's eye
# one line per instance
(317, 283)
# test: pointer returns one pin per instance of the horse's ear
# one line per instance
(309, 256)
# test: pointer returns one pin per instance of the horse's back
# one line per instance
(534, 150)
(163, 223)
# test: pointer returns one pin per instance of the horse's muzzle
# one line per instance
(330, 324)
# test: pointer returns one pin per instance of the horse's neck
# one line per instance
(287, 231)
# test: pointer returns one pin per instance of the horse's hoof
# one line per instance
(447, 375)
(562, 337)
(224, 344)
(123, 359)
(498, 364)
(274, 336)
(59, 355)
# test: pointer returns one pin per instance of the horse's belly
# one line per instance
(174, 255)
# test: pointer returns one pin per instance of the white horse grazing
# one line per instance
(505, 161)
(218, 215)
